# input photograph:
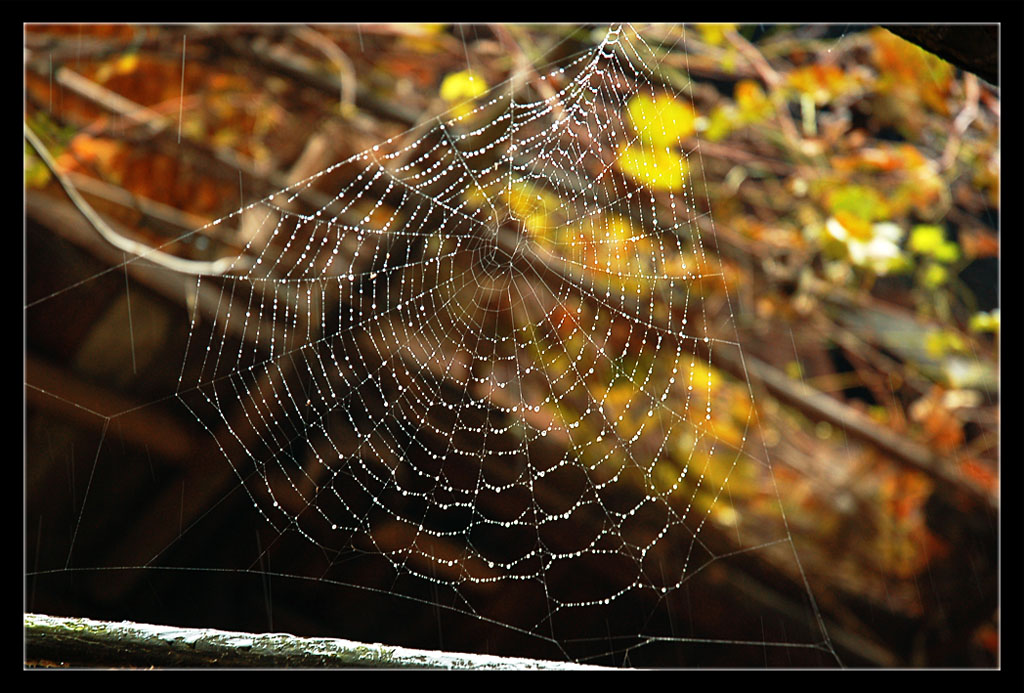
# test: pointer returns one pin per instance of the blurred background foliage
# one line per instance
(853, 184)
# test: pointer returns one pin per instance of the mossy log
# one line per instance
(84, 642)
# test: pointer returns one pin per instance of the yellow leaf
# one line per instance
(658, 169)
(704, 379)
(429, 29)
(721, 123)
(928, 239)
(661, 120)
(36, 173)
(858, 200)
(940, 343)
(714, 33)
(822, 82)
(924, 238)
(985, 322)
(459, 87)
(934, 276)
(856, 226)
(751, 99)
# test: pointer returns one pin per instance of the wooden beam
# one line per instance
(58, 391)
(65, 221)
(822, 407)
(84, 642)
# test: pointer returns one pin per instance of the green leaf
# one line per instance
(860, 201)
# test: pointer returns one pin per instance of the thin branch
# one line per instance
(281, 60)
(962, 122)
(346, 73)
(856, 424)
(770, 77)
(154, 255)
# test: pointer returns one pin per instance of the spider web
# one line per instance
(486, 361)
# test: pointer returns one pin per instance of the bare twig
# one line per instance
(524, 65)
(161, 215)
(346, 73)
(962, 122)
(854, 423)
(770, 77)
(128, 245)
(279, 59)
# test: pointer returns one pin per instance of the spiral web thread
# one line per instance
(430, 368)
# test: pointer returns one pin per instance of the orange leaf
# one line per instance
(979, 243)
(944, 431)
(980, 473)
